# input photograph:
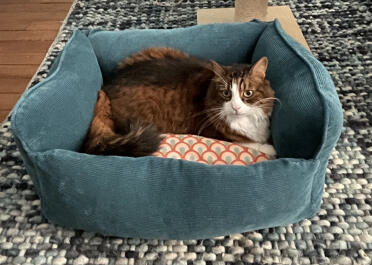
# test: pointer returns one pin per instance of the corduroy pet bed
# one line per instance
(153, 197)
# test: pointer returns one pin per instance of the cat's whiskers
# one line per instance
(206, 111)
(265, 105)
(211, 120)
(207, 121)
(220, 86)
(221, 78)
(208, 118)
(210, 113)
(217, 74)
(217, 122)
(264, 99)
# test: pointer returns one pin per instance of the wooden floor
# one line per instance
(27, 29)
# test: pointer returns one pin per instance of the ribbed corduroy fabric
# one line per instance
(153, 197)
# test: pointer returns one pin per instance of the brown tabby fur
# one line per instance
(162, 90)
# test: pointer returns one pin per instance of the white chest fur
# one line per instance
(255, 126)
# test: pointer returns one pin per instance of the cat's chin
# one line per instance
(236, 115)
(231, 117)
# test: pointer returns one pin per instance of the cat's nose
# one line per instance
(236, 108)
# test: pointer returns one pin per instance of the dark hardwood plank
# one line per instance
(28, 35)
(7, 2)
(29, 25)
(17, 71)
(32, 16)
(11, 85)
(3, 114)
(44, 25)
(27, 29)
(20, 23)
(13, 25)
(24, 46)
(34, 7)
(7, 101)
(21, 58)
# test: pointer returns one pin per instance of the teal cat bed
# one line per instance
(152, 197)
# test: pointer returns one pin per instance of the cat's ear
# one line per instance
(217, 68)
(259, 68)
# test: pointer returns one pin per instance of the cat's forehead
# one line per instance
(238, 71)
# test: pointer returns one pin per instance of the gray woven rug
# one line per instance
(339, 34)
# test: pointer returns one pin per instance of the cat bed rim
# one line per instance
(279, 30)
(309, 204)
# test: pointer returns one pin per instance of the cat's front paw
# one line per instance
(267, 149)
(264, 148)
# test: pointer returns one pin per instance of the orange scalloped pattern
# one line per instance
(208, 151)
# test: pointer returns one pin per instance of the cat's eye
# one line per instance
(226, 93)
(248, 93)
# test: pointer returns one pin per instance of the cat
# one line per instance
(164, 90)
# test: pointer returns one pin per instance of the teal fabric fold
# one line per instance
(153, 197)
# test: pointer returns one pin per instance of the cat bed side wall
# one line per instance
(308, 119)
(56, 113)
(227, 44)
(153, 197)
(70, 89)
(161, 198)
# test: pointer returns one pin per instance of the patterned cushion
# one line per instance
(208, 151)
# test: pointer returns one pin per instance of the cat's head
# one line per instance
(240, 94)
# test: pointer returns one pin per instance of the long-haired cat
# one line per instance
(163, 90)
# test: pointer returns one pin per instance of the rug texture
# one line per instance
(339, 35)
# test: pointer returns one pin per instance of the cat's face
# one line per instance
(240, 95)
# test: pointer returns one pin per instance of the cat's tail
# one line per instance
(125, 138)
